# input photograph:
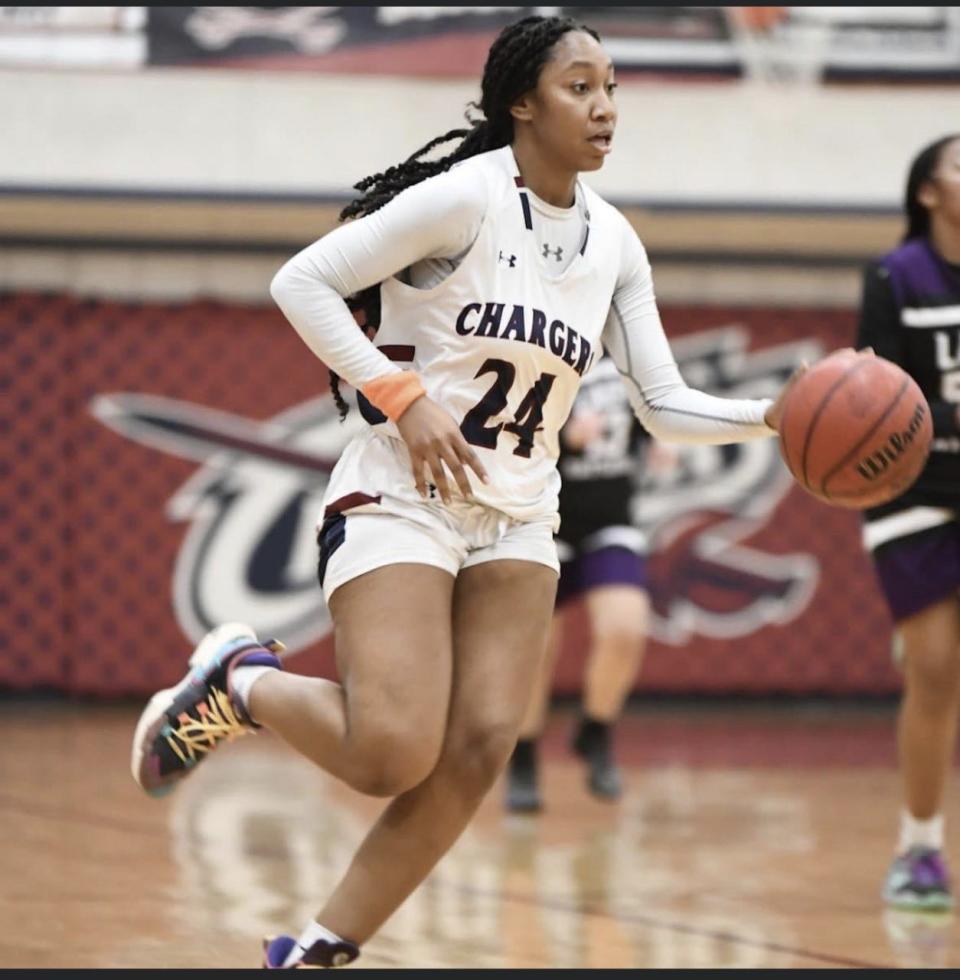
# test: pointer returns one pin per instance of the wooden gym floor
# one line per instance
(750, 836)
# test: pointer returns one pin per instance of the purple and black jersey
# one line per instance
(598, 543)
(598, 481)
(910, 315)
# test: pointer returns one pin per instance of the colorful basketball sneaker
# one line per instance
(321, 954)
(181, 725)
(918, 879)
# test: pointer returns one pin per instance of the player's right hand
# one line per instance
(436, 445)
(582, 428)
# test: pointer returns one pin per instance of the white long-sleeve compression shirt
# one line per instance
(424, 232)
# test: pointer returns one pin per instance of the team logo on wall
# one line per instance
(709, 576)
(250, 550)
(249, 553)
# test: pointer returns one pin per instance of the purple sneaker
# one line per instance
(181, 725)
(321, 954)
(918, 879)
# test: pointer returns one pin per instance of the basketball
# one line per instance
(856, 430)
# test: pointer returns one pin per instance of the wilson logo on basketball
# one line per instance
(250, 551)
(877, 463)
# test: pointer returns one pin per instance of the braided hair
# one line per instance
(921, 170)
(513, 67)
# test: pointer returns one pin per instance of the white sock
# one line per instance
(920, 833)
(310, 935)
(242, 680)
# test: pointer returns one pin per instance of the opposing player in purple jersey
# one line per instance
(910, 314)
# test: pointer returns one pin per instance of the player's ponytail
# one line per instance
(513, 66)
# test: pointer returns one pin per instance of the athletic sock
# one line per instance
(243, 678)
(308, 937)
(920, 833)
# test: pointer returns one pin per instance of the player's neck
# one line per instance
(945, 238)
(555, 187)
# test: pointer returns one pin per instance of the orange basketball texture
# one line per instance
(856, 430)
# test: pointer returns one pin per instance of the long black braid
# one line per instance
(513, 66)
(921, 170)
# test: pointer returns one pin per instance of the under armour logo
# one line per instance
(510, 260)
(557, 252)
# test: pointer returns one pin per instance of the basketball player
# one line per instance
(500, 277)
(602, 560)
(910, 314)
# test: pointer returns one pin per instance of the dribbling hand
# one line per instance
(434, 439)
(774, 413)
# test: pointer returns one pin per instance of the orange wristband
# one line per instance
(394, 393)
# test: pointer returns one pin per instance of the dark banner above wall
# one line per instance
(376, 40)
(805, 45)
(777, 44)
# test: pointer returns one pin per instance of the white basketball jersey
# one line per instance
(500, 344)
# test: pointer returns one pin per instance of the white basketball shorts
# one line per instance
(373, 516)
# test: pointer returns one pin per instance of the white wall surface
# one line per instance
(227, 131)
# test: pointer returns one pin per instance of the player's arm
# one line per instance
(431, 219)
(665, 405)
(437, 218)
(879, 327)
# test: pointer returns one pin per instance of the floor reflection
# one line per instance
(744, 840)
(261, 837)
(920, 939)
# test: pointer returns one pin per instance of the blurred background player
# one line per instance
(910, 314)
(603, 561)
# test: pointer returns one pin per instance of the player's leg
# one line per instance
(928, 712)
(523, 769)
(919, 574)
(618, 624)
(617, 606)
(501, 619)
(926, 737)
(380, 730)
(535, 717)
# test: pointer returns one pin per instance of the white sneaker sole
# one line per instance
(157, 705)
